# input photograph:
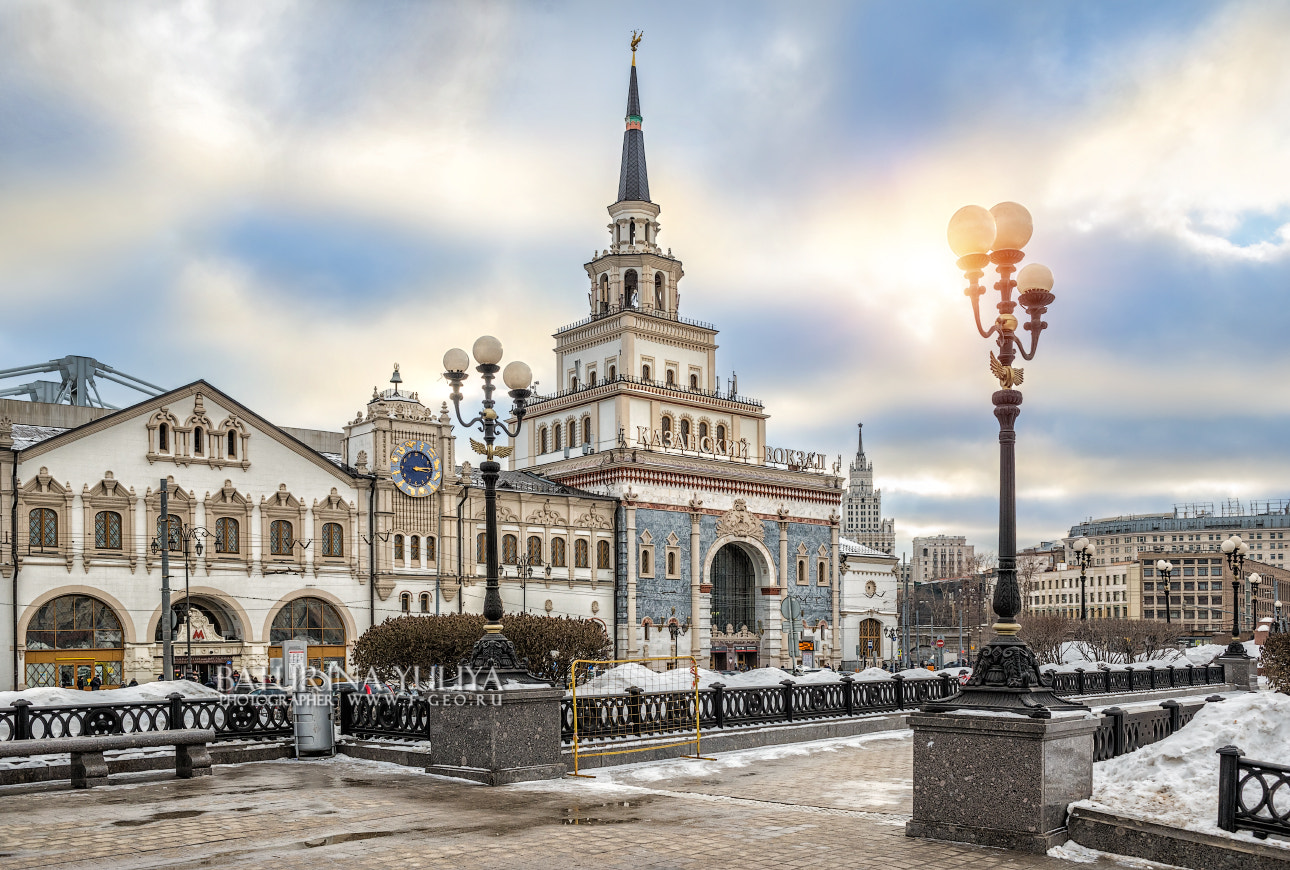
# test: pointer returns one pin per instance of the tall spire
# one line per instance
(633, 180)
(860, 446)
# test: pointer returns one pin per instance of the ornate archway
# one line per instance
(72, 639)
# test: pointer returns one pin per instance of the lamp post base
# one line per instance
(494, 654)
(1236, 649)
(1006, 679)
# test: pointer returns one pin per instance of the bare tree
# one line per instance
(1028, 569)
(1046, 634)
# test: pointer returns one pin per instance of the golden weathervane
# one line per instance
(1008, 376)
(636, 40)
(491, 452)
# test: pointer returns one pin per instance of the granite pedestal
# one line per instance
(999, 780)
(497, 737)
(1241, 672)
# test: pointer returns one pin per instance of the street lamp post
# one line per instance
(1280, 627)
(524, 572)
(494, 650)
(182, 537)
(1254, 579)
(1166, 570)
(1084, 551)
(1006, 676)
(1235, 550)
(892, 634)
(674, 629)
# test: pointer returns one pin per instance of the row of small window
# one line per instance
(229, 440)
(43, 534)
(405, 602)
(414, 549)
(669, 377)
(1189, 600)
(1187, 614)
(510, 554)
(1187, 571)
(557, 433)
(1093, 612)
(1073, 598)
(1189, 585)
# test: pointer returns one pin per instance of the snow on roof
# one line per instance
(333, 458)
(25, 436)
(851, 548)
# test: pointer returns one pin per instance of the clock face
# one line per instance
(416, 468)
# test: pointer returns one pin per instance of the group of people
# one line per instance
(90, 684)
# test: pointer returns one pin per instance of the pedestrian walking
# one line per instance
(96, 683)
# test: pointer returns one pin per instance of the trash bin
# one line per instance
(315, 733)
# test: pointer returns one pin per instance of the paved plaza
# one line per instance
(840, 803)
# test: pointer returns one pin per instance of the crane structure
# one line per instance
(77, 382)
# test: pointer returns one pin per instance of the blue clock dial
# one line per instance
(415, 468)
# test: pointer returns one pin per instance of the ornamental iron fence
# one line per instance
(1248, 795)
(1119, 732)
(1104, 681)
(231, 717)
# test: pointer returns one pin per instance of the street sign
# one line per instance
(940, 642)
(806, 646)
(791, 608)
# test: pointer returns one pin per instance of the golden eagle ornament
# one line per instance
(1008, 376)
(490, 452)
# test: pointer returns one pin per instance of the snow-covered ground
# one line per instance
(1071, 657)
(1175, 782)
(621, 678)
(56, 697)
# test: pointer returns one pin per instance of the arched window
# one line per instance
(573, 383)
(721, 432)
(425, 602)
(671, 378)
(414, 549)
(510, 550)
(173, 533)
(580, 554)
(613, 373)
(591, 378)
(232, 444)
(602, 554)
(801, 571)
(542, 441)
(685, 431)
(671, 564)
(556, 439)
(535, 550)
(659, 301)
(604, 293)
(309, 619)
(629, 289)
(558, 552)
(74, 622)
(822, 577)
(694, 381)
(666, 424)
(573, 433)
(645, 373)
(333, 543)
(431, 555)
(281, 538)
(647, 562)
(107, 530)
(199, 444)
(586, 430)
(163, 438)
(398, 548)
(405, 602)
(226, 535)
(703, 430)
(481, 548)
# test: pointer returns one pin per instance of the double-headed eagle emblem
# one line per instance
(1008, 376)
(490, 452)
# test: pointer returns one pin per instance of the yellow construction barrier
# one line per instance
(620, 705)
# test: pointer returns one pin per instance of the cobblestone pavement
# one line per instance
(840, 803)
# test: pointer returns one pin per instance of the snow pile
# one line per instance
(1175, 782)
(873, 674)
(618, 680)
(157, 691)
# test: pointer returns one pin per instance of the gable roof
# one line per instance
(57, 437)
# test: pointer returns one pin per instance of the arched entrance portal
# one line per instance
(734, 609)
(74, 638)
(216, 636)
(870, 642)
(317, 623)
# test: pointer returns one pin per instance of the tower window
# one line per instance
(703, 431)
(645, 373)
(671, 378)
(542, 440)
(558, 441)
(694, 381)
(629, 288)
(586, 430)
(685, 431)
(613, 373)
(721, 432)
(591, 378)
(660, 301)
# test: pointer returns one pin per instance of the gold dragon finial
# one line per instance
(636, 40)
(1009, 376)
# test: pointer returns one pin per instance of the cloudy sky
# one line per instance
(285, 198)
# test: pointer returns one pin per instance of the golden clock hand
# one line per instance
(415, 468)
